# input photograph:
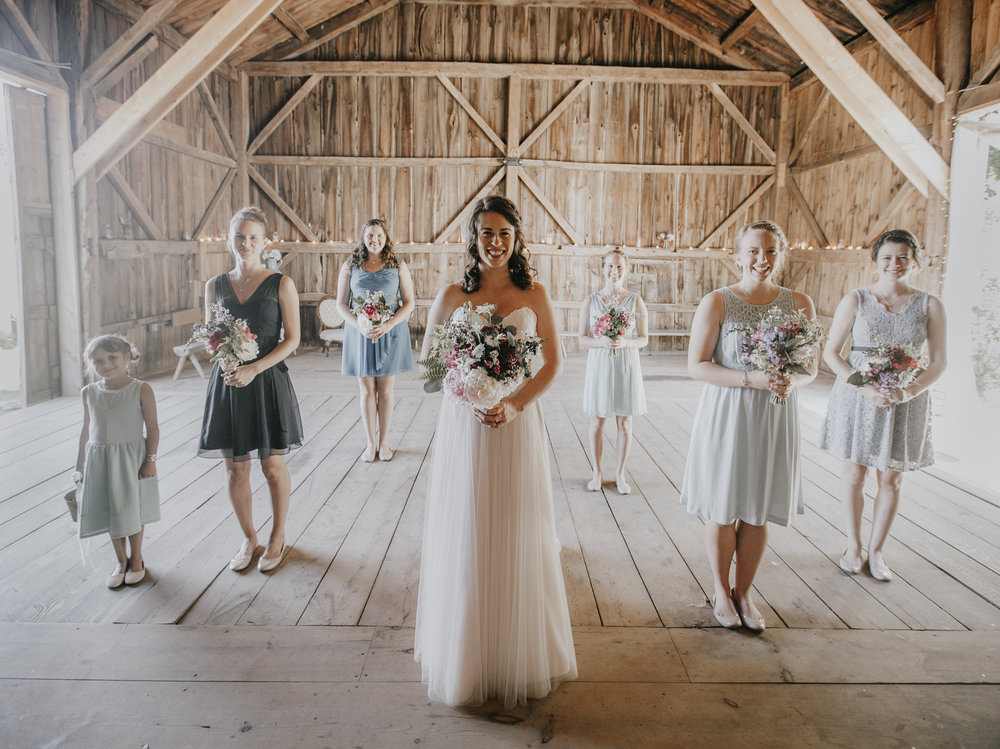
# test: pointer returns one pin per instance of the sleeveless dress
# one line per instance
(492, 617)
(855, 429)
(113, 499)
(743, 463)
(390, 354)
(612, 385)
(261, 419)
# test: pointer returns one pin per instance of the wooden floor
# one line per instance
(846, 661)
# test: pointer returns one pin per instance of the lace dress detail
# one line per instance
(855, 429)
(743, 463)
(492, 616)
(612, 385)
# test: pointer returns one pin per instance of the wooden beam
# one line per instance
(29, 73)
(134, 204)
(732, 217)
(534, 71)
(242, 138)
(743, 27)
(221, 126)
(119, 49)
(987, 69)
(793, 187)
(800, 143)
(694, 32)
(172, 81)
(127, 65)
(471, 111)
(289, 21)
(881, 224)
(854, 153)
(513, 149)
(460, 216)
(742, 121)
(575, 236)
(283, 206)
(905, 19)
(22, 29)
(981, 96)
(556, 112)
(781, 156)
(897, 49)
(875, 112)
(293, 101)
(328, 30)
(214, 202)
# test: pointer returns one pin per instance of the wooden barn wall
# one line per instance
(39, 326)
(985, 31)
(41, 16)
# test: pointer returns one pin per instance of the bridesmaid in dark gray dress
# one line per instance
(872, 428)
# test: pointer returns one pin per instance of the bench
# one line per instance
(187, 351)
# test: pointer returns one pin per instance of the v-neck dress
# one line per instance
(391, 353)
(261, 419)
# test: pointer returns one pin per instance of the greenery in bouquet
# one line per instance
(613, 324)
(372, 310)
(782, 344)
(889, 368)
(227, 338)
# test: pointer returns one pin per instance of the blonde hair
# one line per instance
(111, 344)
(771, 228)
(620, 252)
(250, 213)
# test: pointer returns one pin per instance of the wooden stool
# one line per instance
(185, 352)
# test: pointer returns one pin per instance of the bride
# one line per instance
(492, 618)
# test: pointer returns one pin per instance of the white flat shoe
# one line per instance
(242, 559)
(116, 578)
(849, 565)
(751, 622)
(135, 576)
(877, 566)
(385, 454)
(266, 563)
(729, 621)
(369, 456)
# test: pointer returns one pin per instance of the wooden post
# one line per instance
(782, 151)
(243, 139)
(513, 137)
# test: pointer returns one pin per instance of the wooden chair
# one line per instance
(185, 353)
(331, 324)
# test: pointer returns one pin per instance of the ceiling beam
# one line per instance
(124, 44)
(897, 49)
(324, 32)
(176, 78)
(694, 33)
(987, 69)
(127, 65)
(289, 21)
(871, 108)
(23, 30)
(981, 96)
(534, 71)
(741, 29)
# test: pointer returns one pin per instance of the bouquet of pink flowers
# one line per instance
(372, 310)
(782, 344)
(227, 338)
(613, 324)
(476, 358)
(888, 368)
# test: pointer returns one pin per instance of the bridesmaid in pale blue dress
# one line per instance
(742, 467)
(377, 355)
(612, 385)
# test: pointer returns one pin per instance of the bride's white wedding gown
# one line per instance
(492, 618)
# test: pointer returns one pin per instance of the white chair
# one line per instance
(187, 351)
(331, 324)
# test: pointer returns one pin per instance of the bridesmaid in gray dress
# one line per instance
(743, 464)
(872, 428)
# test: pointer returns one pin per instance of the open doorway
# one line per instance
(11, 340)
(969, 424)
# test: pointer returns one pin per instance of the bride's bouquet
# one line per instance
(613, 324)
(372, 310)
(781, 344)
(476, 358)
(888, 368)
(227, 338)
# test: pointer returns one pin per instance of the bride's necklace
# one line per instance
(243, 283)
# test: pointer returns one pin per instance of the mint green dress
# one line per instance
(112, 498)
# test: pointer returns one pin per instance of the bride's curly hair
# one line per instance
(521, 272)
(359, 255)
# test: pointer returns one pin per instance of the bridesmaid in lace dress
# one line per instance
(612, 385)
(492, 614)
(742, 468)
(375, 356)
(872, 428)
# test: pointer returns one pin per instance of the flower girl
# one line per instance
(613, 328)
(117, 489)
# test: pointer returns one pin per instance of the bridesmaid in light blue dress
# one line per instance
(612, 385)
(742, 467)
(375, 356)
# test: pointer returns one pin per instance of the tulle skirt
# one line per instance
(492, 618)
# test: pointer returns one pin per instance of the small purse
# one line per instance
(70, 498)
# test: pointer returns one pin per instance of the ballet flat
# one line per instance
(729, 622)
(369, 457)
(882, 574)
(846, 566)
(242, 559)
(753, 623)
(385, 454)
(116, 578)
(136, 576)
(266, 563)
